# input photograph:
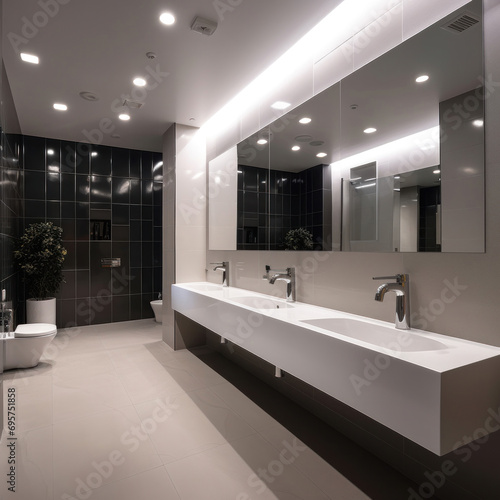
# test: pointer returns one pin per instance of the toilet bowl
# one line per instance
(157, 306)
(24, 347)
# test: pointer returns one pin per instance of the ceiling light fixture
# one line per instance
(422, 78)
(30, 58)
(295, 148)
(321, 155)
(478, 123)
(139, 82)
(280, 105)
(262, 141)
(436, 171)
(369, 130)
(167, 18)
(60, 107)
(124, 117)
(305, 120)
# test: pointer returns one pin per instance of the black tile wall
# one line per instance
(74, 185)
(270, 203)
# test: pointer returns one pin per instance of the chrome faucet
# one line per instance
(402, 290)
(288, 275)
(224, 267)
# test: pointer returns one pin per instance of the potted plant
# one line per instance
(298, 239)
(40, 255)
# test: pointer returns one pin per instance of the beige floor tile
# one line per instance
(150, 485)
(77, 397)
(33, 465)
(329, 480)
(198, 421)
(243, 406)
(99, 449)
(248, 468)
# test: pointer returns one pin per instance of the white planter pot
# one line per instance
(41, 311)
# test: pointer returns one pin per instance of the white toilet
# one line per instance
(24, 347)
(157, 306)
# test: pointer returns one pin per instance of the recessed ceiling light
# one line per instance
(262, 141)
(436, 171)
(321, 155)
(295, 148)
(422, 78)
(280, 105)
(124, 116)
(50, 151)
(478, 123)
(30, 58)
(60, 107)
(305, 120)
(94, 153)
(88, 96)
(167, 18)
(369, 130)
(140, 82)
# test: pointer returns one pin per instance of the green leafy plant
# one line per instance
(40, 254)
(299, 239)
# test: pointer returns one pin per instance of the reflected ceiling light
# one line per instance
(436, 171)
(305, 120)
(295, 148)
(50, 151)
(321, 155)
(422, 78)
(139, 82)
(397, 177)
(30, 58)
(397, 189)
(167, 18)
(478, 123)
(94, 153)
(60, 107)
(369, 130)
(262, 141)
(366, 185)
(280, 105)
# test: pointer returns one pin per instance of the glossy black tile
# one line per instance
(120, 214)
(136, 306)
(34, 208)
(120, 190)
(147, 280)
(135, 230)
(147, 311)
(135, 191)
(157, 167)
(53, 186)
(68, 157)
(68, 210)
(68, 227)
(66, 311)
(82, 255)
(68, 187)
(100, 160)
(121, 308)
(147, 231)
(120, 162)
(82, 188)
(135, 164)
(147, 192)
(157, 194)
(135, 212)
(53, 156)
(82, 158)
(147, 212)
(157, 254)
(82, 229)
(100, 189)
(121, 233)
(146, 165)
(34, 153)
(135, 254)
(82, 210)
(34, 185)
(147, 254)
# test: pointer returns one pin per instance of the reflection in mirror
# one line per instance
(417, 107)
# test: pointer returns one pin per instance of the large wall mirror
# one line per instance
(378, 162)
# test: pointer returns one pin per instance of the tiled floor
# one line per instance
(114, 413)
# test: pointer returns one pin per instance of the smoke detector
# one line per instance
(204, 26)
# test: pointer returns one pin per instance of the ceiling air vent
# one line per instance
(132, 104)
(462, 22)
(204, 26)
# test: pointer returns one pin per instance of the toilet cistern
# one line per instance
(402, 290)
(287, 275)
(224, 267)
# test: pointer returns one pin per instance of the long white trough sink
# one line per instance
(431, 388)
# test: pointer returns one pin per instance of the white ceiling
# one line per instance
(386, 95)
(100, 45)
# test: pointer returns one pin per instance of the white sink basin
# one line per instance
(258, 302)
(414, 382)
(381, 336)
(205, 287)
